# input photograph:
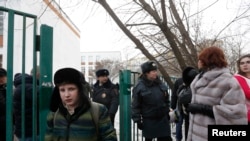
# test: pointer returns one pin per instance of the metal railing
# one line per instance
(44, 44)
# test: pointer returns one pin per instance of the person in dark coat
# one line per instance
(3, 81)
(185, 95)
(106, 93)
(150, 104)
(17, 104)
(174, 99)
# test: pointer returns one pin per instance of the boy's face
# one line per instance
(69, 94)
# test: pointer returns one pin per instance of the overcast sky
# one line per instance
(100, 33)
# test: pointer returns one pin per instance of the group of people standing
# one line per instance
(17, 104)
(81, 112)
(74, 115)
(209, 93)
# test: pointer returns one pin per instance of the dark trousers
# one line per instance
(167, 138)
(179, 128)
(186, 119)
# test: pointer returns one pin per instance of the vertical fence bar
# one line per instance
(9, 98)
(133, 127)
(125, 105)
(23, 79)
(45, 84)
(34, 85)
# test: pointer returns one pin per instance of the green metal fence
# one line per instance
(42, 44)
(125, 100)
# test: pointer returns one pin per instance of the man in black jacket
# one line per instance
(3, 81)
(17, 104)
(106, 93)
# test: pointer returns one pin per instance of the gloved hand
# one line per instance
(193, 108)
(139, 125)
(201, 109)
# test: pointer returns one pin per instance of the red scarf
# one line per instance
(244, 85)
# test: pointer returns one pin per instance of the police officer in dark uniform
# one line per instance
(150, 105)
(106, 93)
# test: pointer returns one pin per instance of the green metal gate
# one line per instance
(42, 44)
(128, 130)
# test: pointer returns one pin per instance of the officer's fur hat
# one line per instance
(188, 75)
(148, 66)
(102, 72)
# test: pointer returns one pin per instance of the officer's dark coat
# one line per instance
(108, 95)
(150, 101)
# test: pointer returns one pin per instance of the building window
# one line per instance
(82, 58)
(90, 68)
(83, 70)
(90, 59)
(98, 58)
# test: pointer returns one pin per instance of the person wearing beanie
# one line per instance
(76, 118)
(3, 82)
(150, 104)
(106, 93)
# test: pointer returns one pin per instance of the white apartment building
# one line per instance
(66, 36)
(89, 61)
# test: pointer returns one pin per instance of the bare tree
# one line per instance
(162, 30)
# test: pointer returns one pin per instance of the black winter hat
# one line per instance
(148, 66)
(3, 72)
(188, 75)
(68, 75)
(102, 72)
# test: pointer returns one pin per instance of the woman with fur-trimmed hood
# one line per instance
(217, 98)
(73, 119)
